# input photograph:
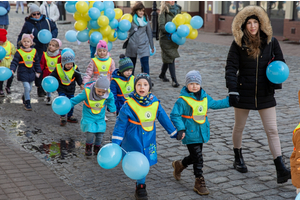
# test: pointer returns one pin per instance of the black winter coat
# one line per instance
(247, 76)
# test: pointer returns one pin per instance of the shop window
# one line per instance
(232, 7)
(275, 9)
(297, 10)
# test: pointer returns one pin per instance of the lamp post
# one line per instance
(154, 17)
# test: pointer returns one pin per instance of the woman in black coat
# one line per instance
(249, 88)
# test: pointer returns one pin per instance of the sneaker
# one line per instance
(7, 90)
(27, 105)
(200, 186)
(72, 119)
(140, 192)
(2, 93)
(63, 121)
(16, 11)
(48, 101)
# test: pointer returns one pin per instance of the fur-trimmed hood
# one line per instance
(239, 19)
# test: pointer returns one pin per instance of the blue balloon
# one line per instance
(96, 37)
(93, 44)
(135, 165)
(94, 13)
(196, 22)
(122, 35)
(151, 54)
(183, 30)
(114, 24)
(277, 72)
(50, 84)
(67, 49)
(44, 36)
(94, 24)
(109, 156)
(297, 197)
(177, 39)
(108, 4)
(71, 36)
(5, 73)
(3, 11)
(109, 45)
(61, 105)
(70, 7)
(170, 27)
(2, 52)
(99, 5)
(124, 25)
(72, 2)
(110, 13)
(83, 36)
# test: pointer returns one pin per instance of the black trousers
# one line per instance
(8, 83)
(194, 158)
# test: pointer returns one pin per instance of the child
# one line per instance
(100, 64)
(122, 82)
(189, 115)
(28, 61)
(135, 126)
(49, 61)
(6, 61)
(95, 96)
(67, 73)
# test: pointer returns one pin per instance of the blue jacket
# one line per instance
(90, 122)
(194, 132)
(24, 73)
(4, 18)
(115, 89)
(133, 137)
(38, 25)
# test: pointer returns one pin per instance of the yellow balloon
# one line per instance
(105, 39)
(193, 34)
(179, 19)
(77, 16)
(190, 27)
(92, 31)
(127, 16)
(80, 25)
(103, 21)
(111, 36)
(82, 6)
(187, 17)
(86, 16)
(173, 20)
(91, 4)
(105, 30)
(118, 13)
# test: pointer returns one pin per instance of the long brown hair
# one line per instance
(253, 42)
(137, 6)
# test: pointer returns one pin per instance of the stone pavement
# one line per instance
(56, 154)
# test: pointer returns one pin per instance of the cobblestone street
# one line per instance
(34, 131)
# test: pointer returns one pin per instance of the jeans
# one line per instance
(141, 181)
(48, 94)
(144, 63)
(8, 83)
(27, 89)
(194, 158)
(90, 138)
(69, 96)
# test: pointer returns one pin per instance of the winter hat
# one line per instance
(143, 76)
(250, 17)
(29, 36)
(125, 63)
(102, 45)
(193, 77)
(33, 8)
(3, 34)
(67, 57)
(58, 41)
(102, 83)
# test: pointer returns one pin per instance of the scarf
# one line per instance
(140, 21)
(37, 19)
(197, 94)
(53, 54)
(93, 95)
(27, 50)
(143, 100)
(173, 9)
(102, 59)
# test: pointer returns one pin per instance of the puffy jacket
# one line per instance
(43, 64)
(50, 11)
(4, 18)
(194, 132)
(133, 137)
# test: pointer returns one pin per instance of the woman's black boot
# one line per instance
(173, 74)
(239, 163)
(283, 174)
(162, 75)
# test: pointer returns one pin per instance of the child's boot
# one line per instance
(239, 163)
(96, 149)
(63, 121)
(27, 105)
(72, 119)
(283, 174)
(88, 149)
(48, 101)
(140, 192)
(200, 186)
(178, 168)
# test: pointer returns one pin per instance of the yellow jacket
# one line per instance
(6, 62)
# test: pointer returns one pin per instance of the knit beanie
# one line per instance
(3, 34)
(29, 36)
(33, 8)
(58, 41)
(103, 83)
(125, 63)
(102, 45)
(143, 76)
(193, 77)
(67, 57)
(250, 17)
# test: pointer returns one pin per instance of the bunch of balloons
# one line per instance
(96, 20)
(184, 26)
(277, 72)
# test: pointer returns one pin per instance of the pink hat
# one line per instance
(58, 41)
(102, 45)
(30, 36)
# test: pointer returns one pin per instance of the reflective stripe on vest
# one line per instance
(7, 48)
(28, 57)
(199, 109)
(126, 87)
(95, 106)
(146, 114)
(102, 66)
(69, 73)
(51, 62)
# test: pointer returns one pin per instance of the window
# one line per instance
(297, 10)
(232, 7)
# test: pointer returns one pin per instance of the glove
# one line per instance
(234, 98)
(179, 134)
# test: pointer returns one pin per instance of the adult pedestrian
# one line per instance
(49, 8)
(33, 24)
(4, 20)
(18, 4)
(249, 88)
(169, 49)
(140, 38)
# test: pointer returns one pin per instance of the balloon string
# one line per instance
(123, 150)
